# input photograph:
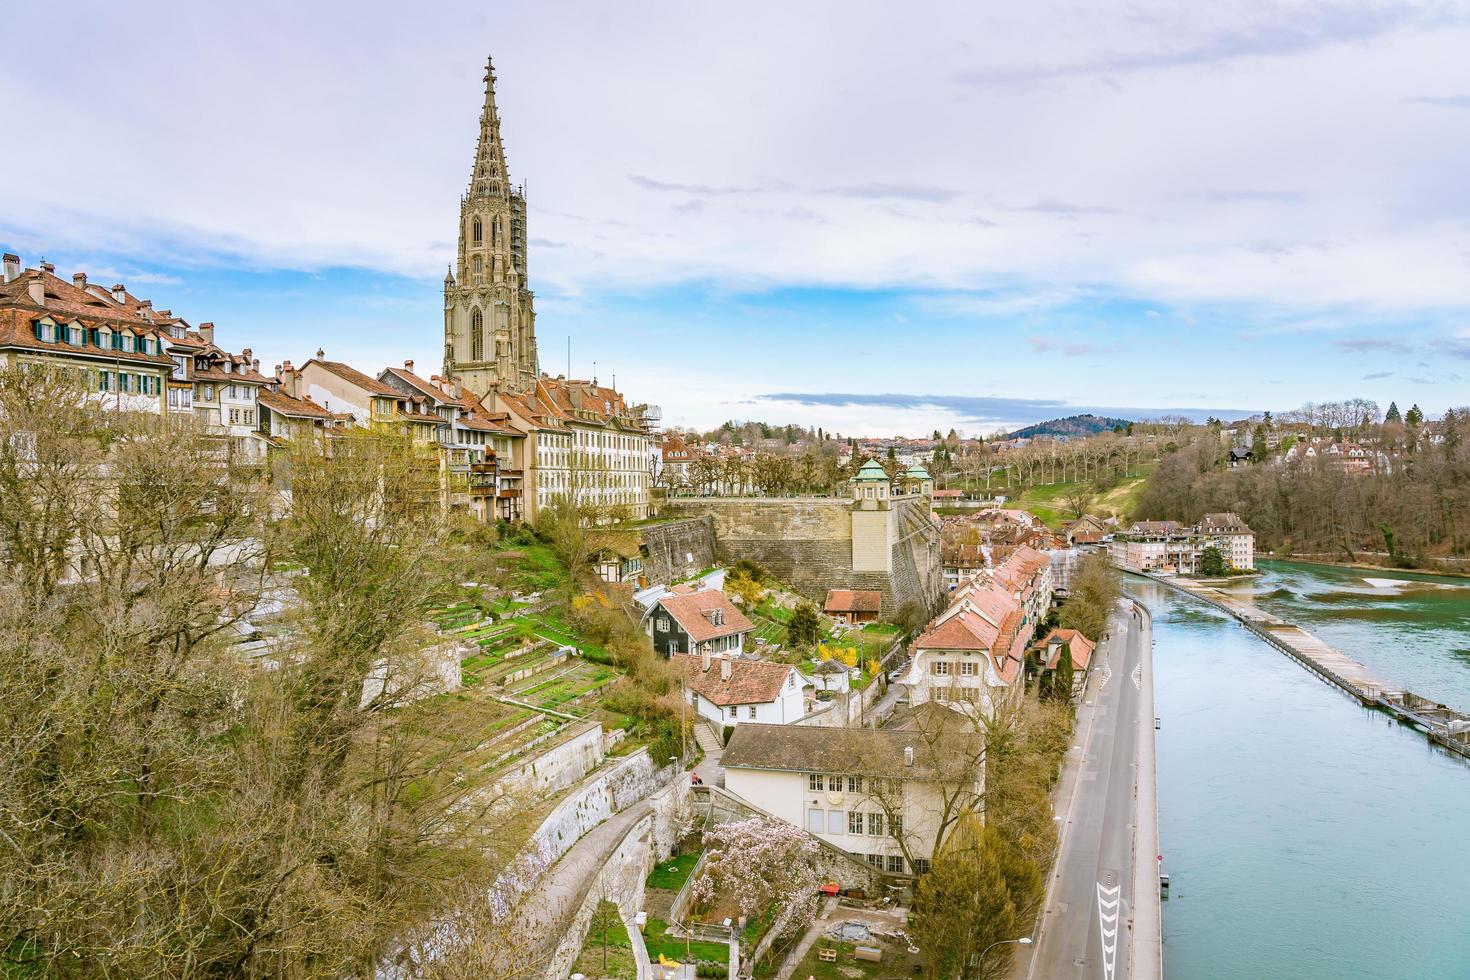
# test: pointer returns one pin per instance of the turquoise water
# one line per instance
(1306, 837)
(1410, 629)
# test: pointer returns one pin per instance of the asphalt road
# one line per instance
(1084, 929)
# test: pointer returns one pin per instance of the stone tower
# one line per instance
(489, 317)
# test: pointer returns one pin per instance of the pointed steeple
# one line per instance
(490, 176)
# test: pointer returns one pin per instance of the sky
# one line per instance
(876, 219)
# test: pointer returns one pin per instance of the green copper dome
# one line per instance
(872, 471)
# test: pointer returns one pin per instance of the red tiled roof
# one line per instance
(1080, 646)
(690, 612)
(17, 330)
(348, 373)
(751, 681)
(286, 405)
(850, 601)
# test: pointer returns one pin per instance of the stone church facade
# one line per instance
(489, 310)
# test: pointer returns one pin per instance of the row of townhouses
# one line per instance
(508, 440)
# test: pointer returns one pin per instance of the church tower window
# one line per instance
(479, 268)
(477, 234)
(477, 336)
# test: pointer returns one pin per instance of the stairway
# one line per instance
(707, 739)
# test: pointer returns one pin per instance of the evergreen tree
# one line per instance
(1212, 562)
(805, 628)
(1393, 417)
(1061, 684)
(1415, 418)
(1260, 449)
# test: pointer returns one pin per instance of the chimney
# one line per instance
(12, 266)
(408, 366)
(286, 365)
(49, 268)
(36, 287)
(79, 280)
(246, 354)
(320, 354)
(724, 668)
(908, 755)
(255, 364)
(206, 331)
(117, 292)
(705, 659)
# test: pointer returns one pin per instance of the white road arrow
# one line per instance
(1108, 898)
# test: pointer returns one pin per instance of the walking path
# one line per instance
(561, 890)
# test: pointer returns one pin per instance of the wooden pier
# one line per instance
(1442, 725)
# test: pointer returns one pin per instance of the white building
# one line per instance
(882, 796)
(971, 656)
(731, 690)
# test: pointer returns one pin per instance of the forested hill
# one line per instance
(1072, 425)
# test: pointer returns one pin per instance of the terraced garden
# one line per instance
(571, 690)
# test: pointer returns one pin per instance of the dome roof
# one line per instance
(872, 471)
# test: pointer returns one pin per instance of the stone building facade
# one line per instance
(489, 310)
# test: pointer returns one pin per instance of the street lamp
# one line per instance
(1024, 941)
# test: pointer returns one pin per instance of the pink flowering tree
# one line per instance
(756, 862)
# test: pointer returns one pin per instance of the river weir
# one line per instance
(1306, 836)
(1442, 724)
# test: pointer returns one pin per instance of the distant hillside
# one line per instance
(1072, 425)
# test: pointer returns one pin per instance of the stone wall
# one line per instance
(672, 551)
(559, 766)
(808, 543)
(600, 797)
(623, 877)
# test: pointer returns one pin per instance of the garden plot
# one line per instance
(571, 690)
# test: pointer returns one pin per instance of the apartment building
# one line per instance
(881, 795)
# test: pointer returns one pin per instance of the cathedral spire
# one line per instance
(490, 174)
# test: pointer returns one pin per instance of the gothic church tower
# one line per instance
(489, 318)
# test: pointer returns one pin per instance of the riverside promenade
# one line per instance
(1441, 724)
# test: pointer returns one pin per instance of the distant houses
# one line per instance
(1171, 547)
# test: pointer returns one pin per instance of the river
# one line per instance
(1308, 837)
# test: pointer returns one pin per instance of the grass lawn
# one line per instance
(617, 961)
(657, 939)
(672, 874)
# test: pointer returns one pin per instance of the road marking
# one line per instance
(1107, 675)
(1138, 676)
(1108, 899)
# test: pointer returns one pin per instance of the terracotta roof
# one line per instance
(858, 751)
(1080, 646)
(693, 613)
(851, 600)
(425, 387)
(297, 407)
(16, 330)
(751, 681)
(348, 373)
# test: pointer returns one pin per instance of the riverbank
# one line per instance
(1451, 571)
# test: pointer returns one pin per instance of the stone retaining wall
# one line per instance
(808, 543)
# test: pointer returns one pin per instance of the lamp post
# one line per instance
(1023, 941)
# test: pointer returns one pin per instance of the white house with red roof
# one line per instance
(971, 656)
(728, 689)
